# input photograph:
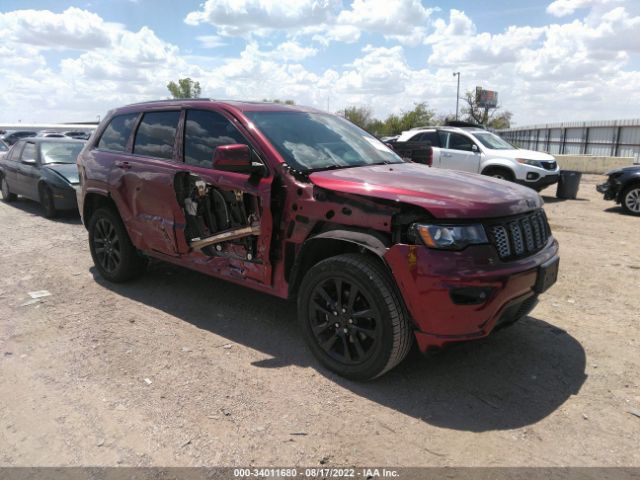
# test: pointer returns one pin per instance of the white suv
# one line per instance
(473, 149)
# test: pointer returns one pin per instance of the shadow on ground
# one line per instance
(548, 199)
(71, 217)
(514, 378)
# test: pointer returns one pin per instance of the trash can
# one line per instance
(568, 184)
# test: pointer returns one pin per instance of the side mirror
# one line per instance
(233, 158)
(474, 148)
(28, 161)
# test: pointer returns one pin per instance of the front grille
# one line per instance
(549, 165)
(520, 237)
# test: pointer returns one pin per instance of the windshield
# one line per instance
(59, 152)
(317, 141)
(493, 141)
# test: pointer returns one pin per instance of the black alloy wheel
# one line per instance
(107, 245)
(345, 321)
(352, 317)
(114, 256)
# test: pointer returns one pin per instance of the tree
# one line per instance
(361, 116)
(486, 116)
(185, 88)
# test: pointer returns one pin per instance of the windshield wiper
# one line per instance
(330, 167)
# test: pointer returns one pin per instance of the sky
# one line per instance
(549, 60)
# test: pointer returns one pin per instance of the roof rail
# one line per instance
(173, 100)
(459, 123)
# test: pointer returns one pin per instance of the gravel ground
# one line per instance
(178, 369)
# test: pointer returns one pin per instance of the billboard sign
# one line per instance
(486, 98)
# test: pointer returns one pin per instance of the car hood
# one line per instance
(521, 153)
(444, 193)
(630, 168)
(69, 171)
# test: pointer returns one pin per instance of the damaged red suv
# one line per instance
(304, 205)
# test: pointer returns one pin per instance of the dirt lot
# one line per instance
(179, 369)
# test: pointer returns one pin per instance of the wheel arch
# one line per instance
(498, 163)
(329, 244)
(92, 202)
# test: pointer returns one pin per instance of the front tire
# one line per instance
(47, 203)
(631, 200)
(7, 196)
(351, 317)
(113, 254)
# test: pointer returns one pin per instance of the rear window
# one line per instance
(117, 133)
(157, 134)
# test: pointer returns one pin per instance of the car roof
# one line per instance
(449, 129)
(51, 140)
(243, 106)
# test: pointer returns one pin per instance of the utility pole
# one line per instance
(457, 92)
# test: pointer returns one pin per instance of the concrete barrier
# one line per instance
(591, 163)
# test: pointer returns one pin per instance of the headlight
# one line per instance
(533, 163)
(447, 237)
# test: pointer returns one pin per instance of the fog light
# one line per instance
(532, 176)
(470, 295)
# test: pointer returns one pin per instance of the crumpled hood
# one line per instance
(444, 193)
(68, 170)
(521, 153)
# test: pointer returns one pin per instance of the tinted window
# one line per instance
(3, 147)
(431, 137)
(117, 133)
(204, 131)
(459, 142)
(29, 152)
(443, 138)
(157, 134)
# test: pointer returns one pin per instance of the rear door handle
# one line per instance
(123, 165)
(446, 154)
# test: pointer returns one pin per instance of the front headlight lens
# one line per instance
(533, 163)
(447, 237)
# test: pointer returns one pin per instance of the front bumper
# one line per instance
(541, 182)
(64, 198)
(427, 277)
(609, 189)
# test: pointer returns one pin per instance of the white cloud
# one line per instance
(562, 8)
(242, 17)
(73, 28)
(402, 20)
(574, 70)
(211, 41)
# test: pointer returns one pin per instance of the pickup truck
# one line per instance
(377, 252)
(476, 150)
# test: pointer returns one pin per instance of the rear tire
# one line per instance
(7, 196)
(501, 173)
(46, 201)
(113, 254)
(631, 200)
(351, 317)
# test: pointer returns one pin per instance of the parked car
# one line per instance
(42, 169)
(50, 134)
(304, 205)
(623, 186)
(12, 136)
(474, 149)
